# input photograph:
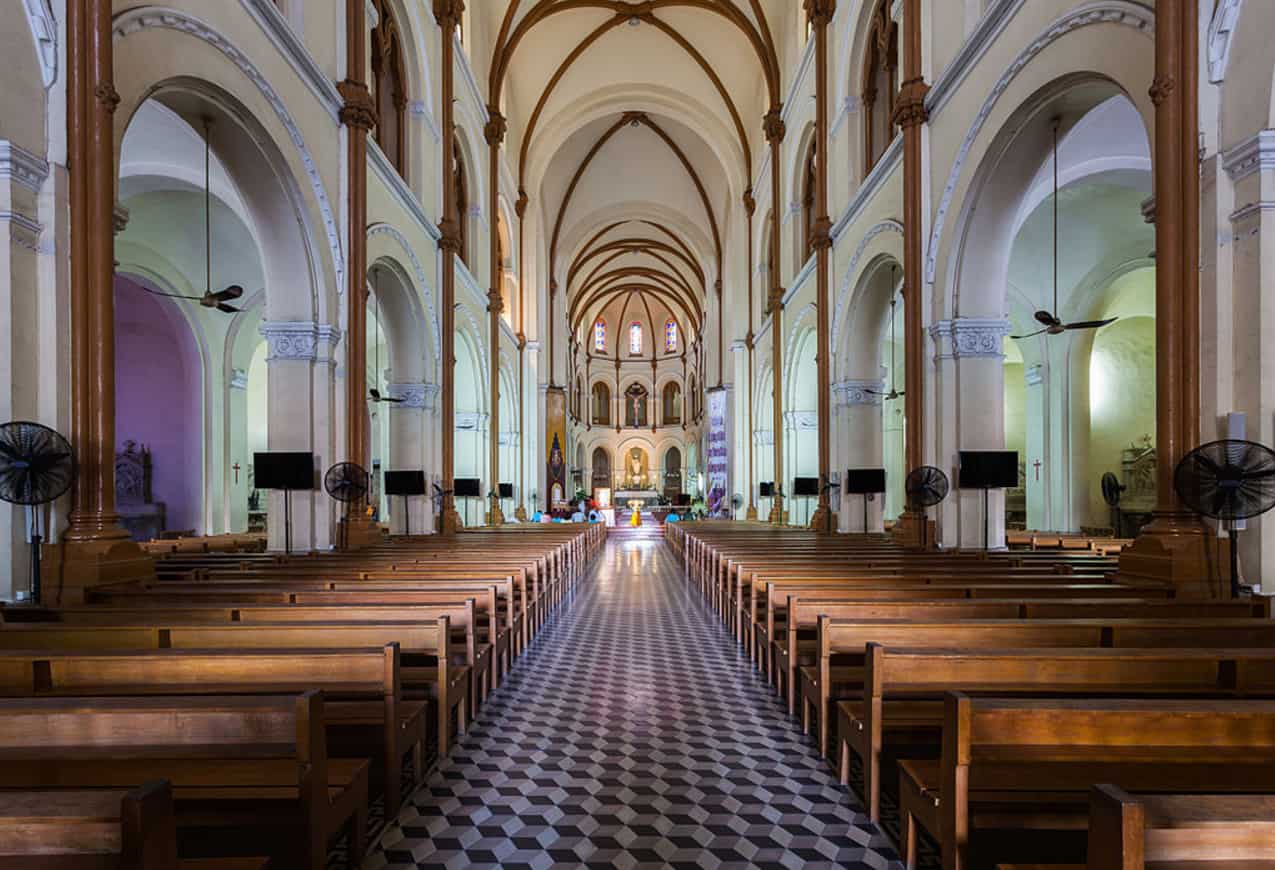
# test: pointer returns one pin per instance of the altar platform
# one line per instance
(648, 497)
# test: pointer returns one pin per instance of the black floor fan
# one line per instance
(1112, 490)
(37, 466)
(1228, 480)
(925, 487)
(347, 483)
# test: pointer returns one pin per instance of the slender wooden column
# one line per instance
(910, 115)
(750, 206)
(494, 132)
(774, 127)
(1176, 547)
(358, 114)
(820, 13)
(448, 13)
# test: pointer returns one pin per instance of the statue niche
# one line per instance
(635, 407)
(637, 472)
(145, 518)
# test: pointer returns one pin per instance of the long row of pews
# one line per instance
(1021, 708)
(247, 707)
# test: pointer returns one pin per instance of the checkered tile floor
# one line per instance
(633, 734)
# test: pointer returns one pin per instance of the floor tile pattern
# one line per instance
(633, 734)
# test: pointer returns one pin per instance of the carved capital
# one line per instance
(107, 96)
(449, 235)
(495, 304)
(494, 129)
(820, 12)
(821, 233)
(520, 207)
(448, 13)
(750, 204)
(553, 286)
(522, 340)
(717, 285)
(1161, 87)
(633, 118)
(910, 111)
(773, 123)
(358, 111)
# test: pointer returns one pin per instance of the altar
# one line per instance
(648, 497)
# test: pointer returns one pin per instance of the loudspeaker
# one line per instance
(805, 486)
(467, 487)
(404, 483)
(865, 481)
(277, 470)
(683, 499)
(988, 469)
(766, 490)
(506, 490)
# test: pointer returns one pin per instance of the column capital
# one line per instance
(495, 304)
(413, 395)
(858, 391)
(496, 126)
(971, 337)
(449, 235)
(448, 12)
(299, 340)
(910, 110)
(238, 379)
(820, 12)
(520, 206)
(358, 110)
(821, 233)
(119, 219)
(750, 204)
(1162, 86)
(773, 125)
(107, 95)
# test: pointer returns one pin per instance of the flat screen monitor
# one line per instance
(404, 483)
(276, 470)
(805, 486)
(766, 489)
(988, 469)
(865, 481)
(506, 490)
(468, 487)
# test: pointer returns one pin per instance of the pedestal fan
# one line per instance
(925, 487)
(1112, 490)
(37, 466)
(1228, 480)
(347, 483)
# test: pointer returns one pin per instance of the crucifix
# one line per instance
(235, 469)
(1037, 465)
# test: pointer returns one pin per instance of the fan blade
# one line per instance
(1030, 334)
(234, 291)
(1220, 499)
(874, 392)
(1045, 318)
(1089, 324)
(229, 309)
(393, 401)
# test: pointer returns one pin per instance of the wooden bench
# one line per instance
(235, 763)
(1027, 764)
(902, 702)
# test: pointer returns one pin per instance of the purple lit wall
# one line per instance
(158, 397)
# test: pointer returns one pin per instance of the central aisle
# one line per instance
(632, 733)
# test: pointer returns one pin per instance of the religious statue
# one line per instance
(637, 478)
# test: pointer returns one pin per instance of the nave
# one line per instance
(633, 733)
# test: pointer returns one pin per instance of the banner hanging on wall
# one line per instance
(556, 446)
(717, 498)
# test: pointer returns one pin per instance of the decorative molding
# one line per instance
(800, 278)
(290, 340)
(763, 437)
(1221, 31)
(859, 391)
(44, 31)
(799, 75)
(142, 18)
(419, 272)
(467, 75)
(1255, 154)
(1122, 12)
(971, 337)
(421, 109)
(847, 282)
(399, 189)
(990, 26)
(849, 106)
(19, 166)
(412, 395)
(238, 379)
(805, 421)
(23, 231)
(119, 219)
(471, 421)
(1252, 209)
(1034, 375)
(884, 168)
(289, 43)
(1148, 209)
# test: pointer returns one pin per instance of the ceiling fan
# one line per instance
(375, 393)
(893, 394)
(1054, 324)
(209, 299)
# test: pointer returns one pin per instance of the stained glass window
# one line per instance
(670, 336)
(635, 338)
(600, 336)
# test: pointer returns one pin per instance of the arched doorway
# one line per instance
(672, 474)
(601, 470)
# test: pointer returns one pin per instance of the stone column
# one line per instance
(96, 547)
(236, 416)
(910, 114)
(859, 400)
(820, 13)
(1175, 546)
(494, 132)
(977, 351)
(1038, 412)
(448, 13)
(407, 450)
(774, 128)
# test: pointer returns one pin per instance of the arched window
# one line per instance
(808, 216)
(460, 188)
(600, 336)
(601, 404)
(389, 88)
(635, 339)
(672, 403)
(880, 84)
(670, 336)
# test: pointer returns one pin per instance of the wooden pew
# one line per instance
(903, 689)
(1028, 764)
(234, 762)
(1216, 832)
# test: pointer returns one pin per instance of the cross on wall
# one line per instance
(1037, 465)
